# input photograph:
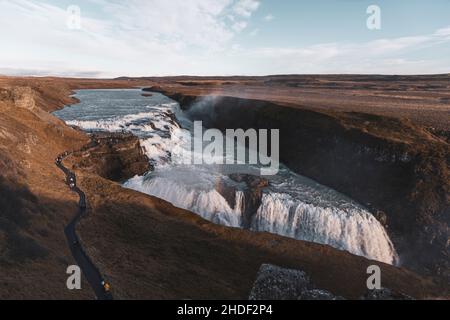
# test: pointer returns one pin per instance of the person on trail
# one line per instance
(72, 181)
(106, 286)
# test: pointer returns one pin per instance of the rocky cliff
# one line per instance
(114, 156)
(398, 169)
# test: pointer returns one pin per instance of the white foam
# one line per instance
(208, 203)
(112, 124)
(356, 231)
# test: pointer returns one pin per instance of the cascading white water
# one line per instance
(354, 230)
(292, 205)
(351, 229)
(206, 202)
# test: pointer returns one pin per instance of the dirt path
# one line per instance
(89, 269)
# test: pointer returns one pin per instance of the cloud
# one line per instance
(379, 56)
(160, 37)
(239, 26)
(269, 17)
(246, 8)
(35, 35)
(445, 33)
(189, 23)
(50, 72)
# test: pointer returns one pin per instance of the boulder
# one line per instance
(275, 283)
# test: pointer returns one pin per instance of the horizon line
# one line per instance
(223, 76)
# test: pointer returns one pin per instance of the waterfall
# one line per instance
(356, 231)
(292, 205)
(208, 203)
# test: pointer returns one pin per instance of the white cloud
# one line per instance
(51, 72)
(379, 56)
(239, 26)
(246, 8)
(269, 17)
(160, 37)
(443, 32)
(165, 35)
(195, 22)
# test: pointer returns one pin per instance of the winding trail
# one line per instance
(90, 271)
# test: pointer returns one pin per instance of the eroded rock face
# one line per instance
(275, 283)
(113, 156)
(21, 97)
(252, 195)
(253, 187)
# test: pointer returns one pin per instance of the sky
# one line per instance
(111, 38)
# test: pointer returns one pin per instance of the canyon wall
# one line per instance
(399, 170)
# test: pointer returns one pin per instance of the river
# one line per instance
(292, 205)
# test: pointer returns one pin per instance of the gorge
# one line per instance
(148, 248)
(291, 205)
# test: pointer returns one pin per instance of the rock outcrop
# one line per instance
(252, 189)
(113, 156)
(275, 283)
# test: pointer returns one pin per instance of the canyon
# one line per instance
(398, 167)
(147, 248)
